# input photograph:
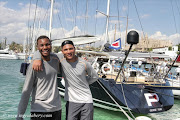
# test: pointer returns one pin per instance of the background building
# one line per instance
(147, 44)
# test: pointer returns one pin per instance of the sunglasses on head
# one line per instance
(67, 42)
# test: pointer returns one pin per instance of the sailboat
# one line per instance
(7, 54)
(138, 93)
(130, 91)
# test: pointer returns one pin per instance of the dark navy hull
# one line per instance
(138, 98)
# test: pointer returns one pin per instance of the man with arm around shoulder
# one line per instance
(42, 86)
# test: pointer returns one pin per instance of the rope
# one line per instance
(129, 118)
(34, 20)
(174, 17)
(118, 17)
(70, 9)
(86, 18)
(127, 23)
(96, 18)
(29, 19)
(126, 101)
(29, 31)
(63, 13)
(75, 17)
(37, 33)
(143, 33)
(177, 7)
(61, 24)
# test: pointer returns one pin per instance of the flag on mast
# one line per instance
(178, 59)
(116, 44)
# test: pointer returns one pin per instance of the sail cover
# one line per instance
(77, 40)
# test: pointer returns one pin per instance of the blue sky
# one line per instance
(79, 17)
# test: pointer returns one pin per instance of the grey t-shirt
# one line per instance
(77, 75)
(42, 86)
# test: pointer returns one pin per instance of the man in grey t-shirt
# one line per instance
(79, 104)
(42, 86)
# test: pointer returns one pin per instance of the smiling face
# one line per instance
(44, 47)
(69, 52)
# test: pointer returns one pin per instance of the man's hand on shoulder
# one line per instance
(37, 65)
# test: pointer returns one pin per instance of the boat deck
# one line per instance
(135, 80)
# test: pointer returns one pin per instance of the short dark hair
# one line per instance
(42, 37)
(67, 42)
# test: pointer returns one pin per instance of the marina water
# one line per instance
(11, 84)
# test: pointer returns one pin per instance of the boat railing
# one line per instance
(174, 80)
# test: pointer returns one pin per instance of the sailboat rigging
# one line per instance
(129, 88)
(123, 88)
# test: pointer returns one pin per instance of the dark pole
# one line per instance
(123, 62)
(132, 38)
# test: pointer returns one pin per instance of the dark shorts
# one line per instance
(46, 115)
(79, 111)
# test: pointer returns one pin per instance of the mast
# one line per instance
(115, 33)
(24, 44)
(50, 22)
(107, 22)
(33, 40)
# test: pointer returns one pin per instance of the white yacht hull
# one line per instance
(175, 83)
(7, 56)
(176, 92)
(21, 56)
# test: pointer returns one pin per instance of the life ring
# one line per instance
(95, 65)
(106, 65)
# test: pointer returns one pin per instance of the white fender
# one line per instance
(95, 65)
(108, 66)
(62, 81)
(142, 118)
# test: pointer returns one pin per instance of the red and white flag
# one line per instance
(116, 44)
